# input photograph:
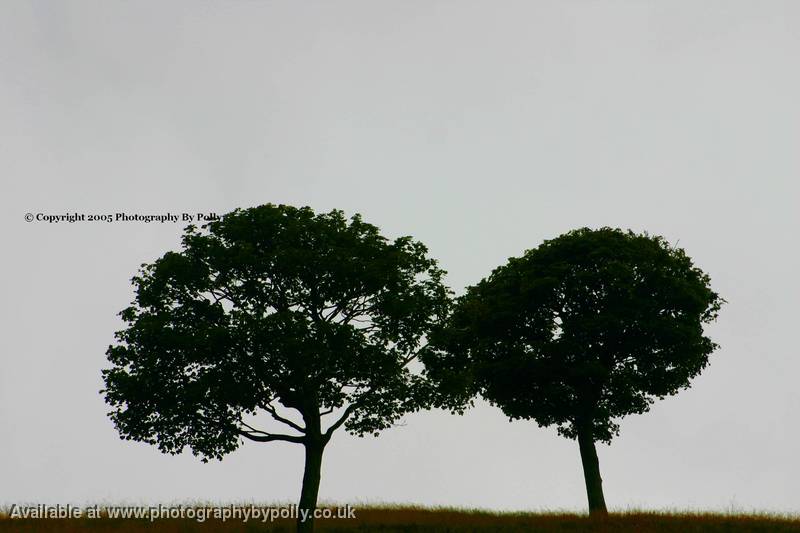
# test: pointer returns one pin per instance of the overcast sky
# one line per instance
(480, 128)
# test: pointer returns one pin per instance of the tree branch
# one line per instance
(355, 405)
(270, 437)
(342, 419)
(263, 436)
(359, 309)
(413, 356)
(274, 413)
(253, 433)
(339, 307)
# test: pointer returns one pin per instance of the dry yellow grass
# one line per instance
(421, 519)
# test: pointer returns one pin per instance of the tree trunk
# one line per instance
(591, 472)
(311, 478)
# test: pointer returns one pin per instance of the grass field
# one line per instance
(419, 519)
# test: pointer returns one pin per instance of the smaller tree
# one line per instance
(587, 328)
(277, 311)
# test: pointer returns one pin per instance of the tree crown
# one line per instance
(270, 309)
(588, 327)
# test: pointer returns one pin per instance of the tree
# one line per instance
(274, 313)
(587, 328)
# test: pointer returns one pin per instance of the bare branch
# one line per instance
(358, 308)
(274, 413)
(270, 437)
(253, 433)
(264, 436)
(251, 428)
(342, 419)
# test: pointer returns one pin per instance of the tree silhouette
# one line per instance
(275, 314)
(585, 329)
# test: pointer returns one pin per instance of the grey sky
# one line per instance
(480, 128)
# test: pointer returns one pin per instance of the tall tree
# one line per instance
(274, 312)
(587, 328)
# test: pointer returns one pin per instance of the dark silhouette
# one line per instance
(589, 327)
(274, 311)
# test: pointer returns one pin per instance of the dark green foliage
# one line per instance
(273, 309)
(590, 326)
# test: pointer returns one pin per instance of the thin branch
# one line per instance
(338, 308)
(271, 437)
(359, 308)
(253, 433)
(349, 410)
(274, 412)
(264, 436)
(413, 356)
(342, 419)
(251, 428)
